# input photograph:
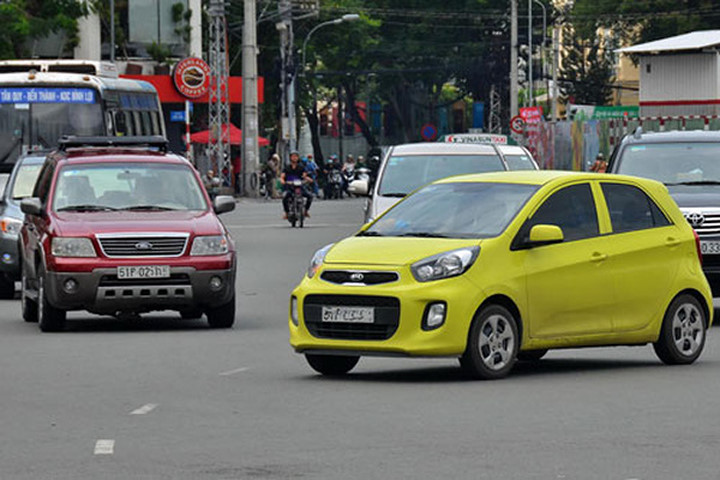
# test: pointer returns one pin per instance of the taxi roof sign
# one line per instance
(491, 138)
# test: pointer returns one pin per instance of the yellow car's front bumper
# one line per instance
(405, 300)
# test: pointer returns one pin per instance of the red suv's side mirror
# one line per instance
(31, 206)
(223, 203)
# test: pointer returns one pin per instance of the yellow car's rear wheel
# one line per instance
(683, 332)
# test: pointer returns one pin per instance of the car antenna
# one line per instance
(637, 134)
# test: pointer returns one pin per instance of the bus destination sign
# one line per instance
(46, 95)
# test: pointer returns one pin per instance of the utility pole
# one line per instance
(219, 95)
(250, 128)
(513, 58)
(555, 67)
(287, 84)
(531, 100)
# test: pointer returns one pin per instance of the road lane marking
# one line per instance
(105, 447)
(233, 372)
(145, 409)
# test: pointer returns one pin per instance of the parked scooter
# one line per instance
(296, 211)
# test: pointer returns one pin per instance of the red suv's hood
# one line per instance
(73, 224)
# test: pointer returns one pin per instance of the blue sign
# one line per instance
(177, 115)
(478, 115)
(429, 132)
(47, 95)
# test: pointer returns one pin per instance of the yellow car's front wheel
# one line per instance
(332, 364)
(492, 345)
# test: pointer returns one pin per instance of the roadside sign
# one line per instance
(429, 132)
(476, 138)
(177, 115)
(517, 124)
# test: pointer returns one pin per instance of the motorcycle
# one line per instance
(348, 176)
(264, 188)
(296, 211)
(334, 185)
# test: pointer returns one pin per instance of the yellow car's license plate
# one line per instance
(348, 314)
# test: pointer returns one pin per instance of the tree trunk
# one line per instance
(357, 119)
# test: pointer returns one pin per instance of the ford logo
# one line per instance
(696, 219)
(143, 246)
(357, 277)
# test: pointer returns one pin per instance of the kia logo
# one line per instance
(696, 219)
(143, 246)
(357, 277)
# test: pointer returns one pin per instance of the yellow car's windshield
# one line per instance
(454, 210)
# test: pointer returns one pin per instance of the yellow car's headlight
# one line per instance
(445, 265)
(317, 260)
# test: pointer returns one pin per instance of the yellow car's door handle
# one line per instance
(598, 257)
(672, 242)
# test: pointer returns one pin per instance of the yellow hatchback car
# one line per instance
(499, 267)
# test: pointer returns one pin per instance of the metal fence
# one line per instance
(575, 145)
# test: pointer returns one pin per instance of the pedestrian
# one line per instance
(274, 166)
(212, 183)
(312, 169)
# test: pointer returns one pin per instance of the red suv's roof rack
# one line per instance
(72, 141)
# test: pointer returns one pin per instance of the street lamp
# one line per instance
(349, 17)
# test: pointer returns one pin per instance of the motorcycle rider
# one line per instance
(295, 171)
(333, 163)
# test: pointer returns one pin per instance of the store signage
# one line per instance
(192, 77)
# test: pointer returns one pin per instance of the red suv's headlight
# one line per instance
(72, 247)
(210, 245)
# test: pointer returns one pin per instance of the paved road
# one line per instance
(162, 399)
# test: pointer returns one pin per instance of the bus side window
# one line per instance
(120, 124)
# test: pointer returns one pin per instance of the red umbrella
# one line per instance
(235, 136)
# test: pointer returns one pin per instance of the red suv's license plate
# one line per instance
(143, 271)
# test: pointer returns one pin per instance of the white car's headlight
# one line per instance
(210, 245)
(10, 226)
(318, 260)
(444, 265)
(72, 247)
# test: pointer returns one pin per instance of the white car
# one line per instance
(408, 167)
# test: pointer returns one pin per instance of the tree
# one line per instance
(587, 71)
(25, 20)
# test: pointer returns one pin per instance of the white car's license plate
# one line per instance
(348, 314)
(143, 271)
(710, 247)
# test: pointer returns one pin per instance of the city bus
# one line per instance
(42, 100)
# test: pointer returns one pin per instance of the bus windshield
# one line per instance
(40, 116)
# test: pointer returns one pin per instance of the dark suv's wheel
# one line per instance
(7, 287)
(50, 319)
(28, 305)
(492, 344)
(682, 336)
(222, 316)
(332, 364)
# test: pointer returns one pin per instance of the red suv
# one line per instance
(118, 226)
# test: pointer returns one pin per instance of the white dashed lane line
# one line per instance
(145, 409)
(233, 372)
(105, 447)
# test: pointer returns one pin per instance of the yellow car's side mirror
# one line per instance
(545, 235)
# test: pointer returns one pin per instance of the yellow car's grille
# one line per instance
(386, 317)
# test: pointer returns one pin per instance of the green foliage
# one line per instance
(647, 20)
(587, 71)
(159, 52)
(24, 20)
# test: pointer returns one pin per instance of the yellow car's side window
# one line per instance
(631, 209)
(572, 209)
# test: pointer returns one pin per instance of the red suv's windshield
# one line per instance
(127, 186)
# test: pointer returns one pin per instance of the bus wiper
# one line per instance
(370, 234)
(423, 235)
(696, 182)
(86, 208)
(148, 207)
(394, 194)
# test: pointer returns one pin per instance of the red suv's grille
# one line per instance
(134, 245)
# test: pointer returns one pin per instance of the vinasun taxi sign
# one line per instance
(192, 77)
(492, 138)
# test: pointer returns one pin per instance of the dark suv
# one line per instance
(688, 163)
(118, 226)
